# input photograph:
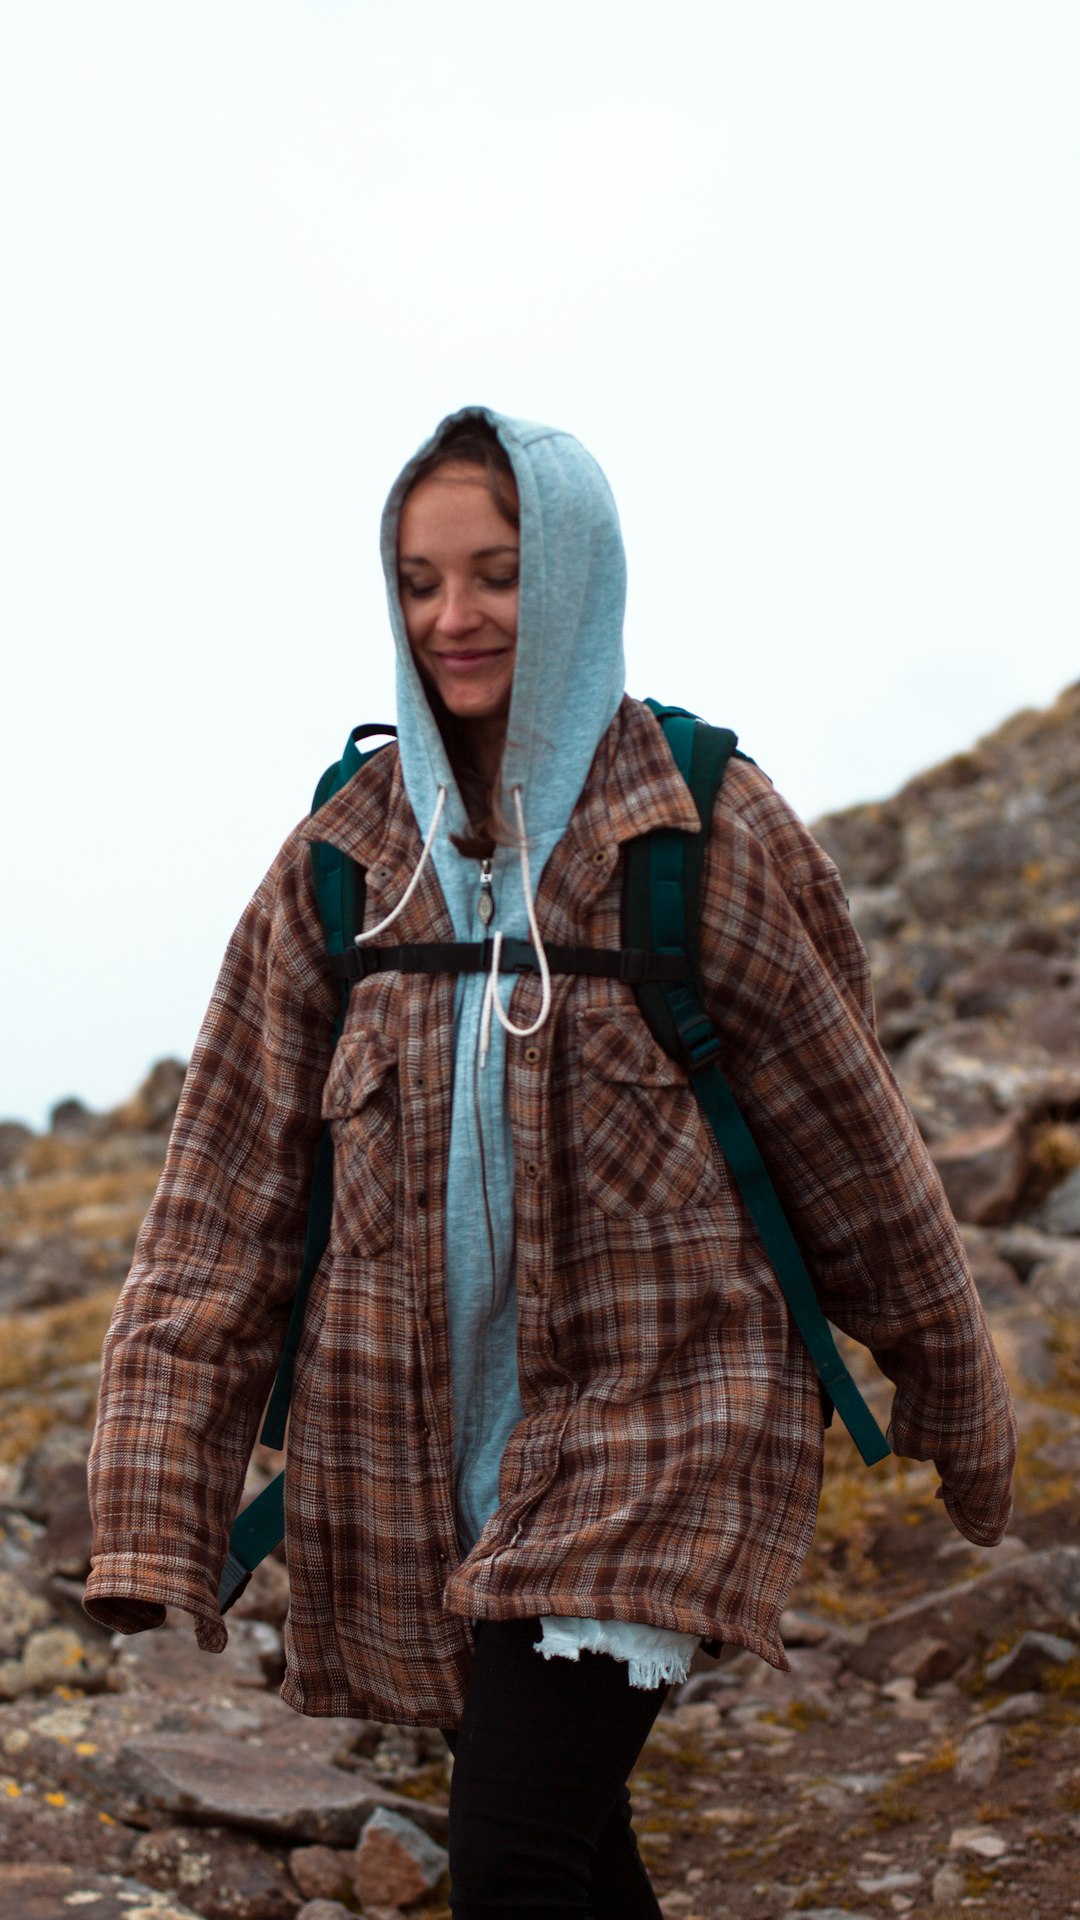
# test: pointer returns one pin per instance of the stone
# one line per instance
(926, 1660)
(1024, 1247)
(1004, 982)
(168, 1662)
(1055, 1285)
(1039, 1590)
(54, 1471)
(948, 1885)
(266, 1596)
(1024, 1668)
(264, 1789)
(980, 1756)
(1019, 1706)
(970, 1072)
(57, 1656)
(153, 1107)
(71, 1119)
(21, 1613)
(325, 1910)
(14, 1140)
(996, 1280)
(983, 1169)
(802, 1629)
(983, 1842)
(396, 1863)
(227, 1876)
(322, 1873)
(898, 1880)
(1060, 1211)
(36, 1891)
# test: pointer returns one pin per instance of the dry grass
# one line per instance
(34, 1345)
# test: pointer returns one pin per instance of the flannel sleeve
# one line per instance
(844, 1151)
(198, 1327)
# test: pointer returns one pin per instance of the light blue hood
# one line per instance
(568, 681)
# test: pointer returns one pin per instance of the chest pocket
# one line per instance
(646, 1146)
(360, 1100)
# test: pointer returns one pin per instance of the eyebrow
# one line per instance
(482, 553)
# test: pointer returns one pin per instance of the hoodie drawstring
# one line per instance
(492, 1002)
(440, 803)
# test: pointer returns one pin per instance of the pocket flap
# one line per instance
(619, 1047)
(364, 1061)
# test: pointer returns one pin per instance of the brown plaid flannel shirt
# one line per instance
(668, 1465)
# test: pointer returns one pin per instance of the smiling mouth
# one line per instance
(472, 654)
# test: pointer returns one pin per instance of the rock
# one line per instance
(325, 1910)
(57, 1656)
(865, 842)
(153, 1107)
(983, 1842)
(14, 1140)
(266, 1596)
(168, 1662)
(1024, 1247)
(1026, 1665)
(1026, 1344)
(926, 1660)
(45, 1892)
(1041, 1590)
(40, 1273)
(979, 1757)
(968, 1073)
(1055, 1285)
(1019, 1706)
(899, 1880)
(226, 1876)
(264, 1789)
(1005, 982)
(322, 1873)
(996, 1279)
(71, 1119)
(21, 1614)
(802, 1629)
(983, 1169)
(395, 1862)
(948, 1885)
(54, 1472)
(1060, 1211)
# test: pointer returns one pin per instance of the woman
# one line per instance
(552, 1424)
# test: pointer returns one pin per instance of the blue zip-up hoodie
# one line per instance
(568, 681)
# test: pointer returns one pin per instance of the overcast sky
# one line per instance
(805, 278)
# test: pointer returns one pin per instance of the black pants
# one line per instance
(539, 1809)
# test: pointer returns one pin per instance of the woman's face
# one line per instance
(458, 580)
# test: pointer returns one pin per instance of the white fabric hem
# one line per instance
(654, 1656)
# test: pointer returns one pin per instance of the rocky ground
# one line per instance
(922, 1758)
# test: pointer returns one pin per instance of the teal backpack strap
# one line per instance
(339, 893)
(663, 879)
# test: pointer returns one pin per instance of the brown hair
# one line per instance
(471, 440)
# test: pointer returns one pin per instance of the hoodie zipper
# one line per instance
(485, 908)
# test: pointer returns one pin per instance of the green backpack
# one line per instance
(660, 961)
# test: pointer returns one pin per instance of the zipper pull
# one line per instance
(485, 906)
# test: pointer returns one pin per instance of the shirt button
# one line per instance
(532, 1055)
(340, 1097)
(599, 858)
(532, 1169)
(650, 1063)
(420, 1082)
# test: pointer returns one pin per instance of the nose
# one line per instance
(459, 613)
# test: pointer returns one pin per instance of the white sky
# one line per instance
(805, 279)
